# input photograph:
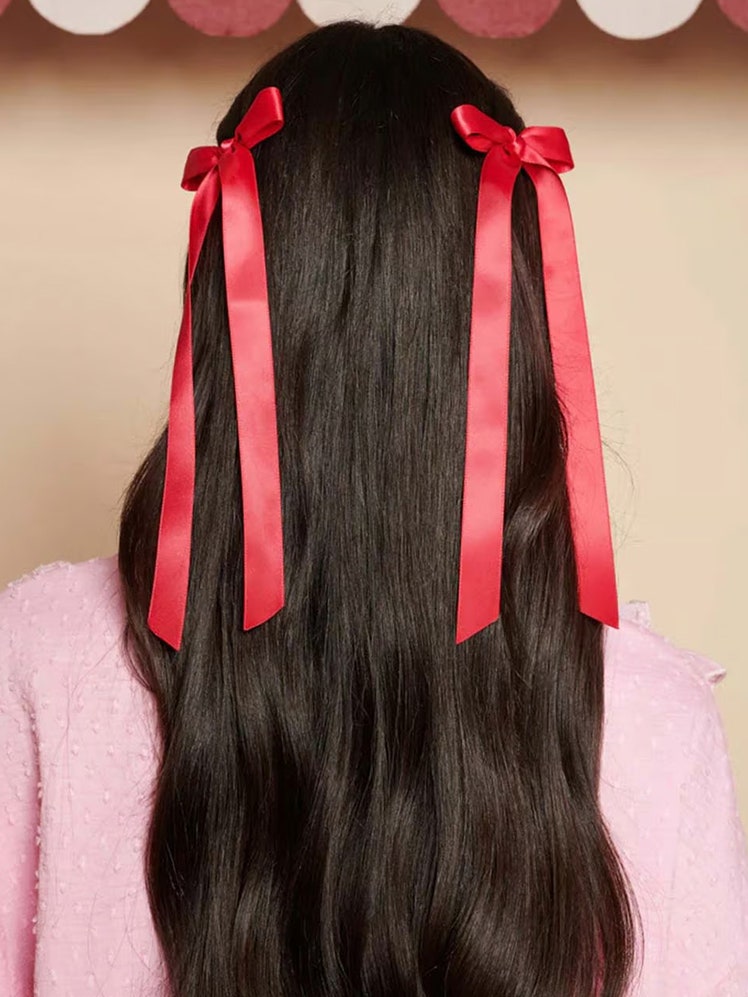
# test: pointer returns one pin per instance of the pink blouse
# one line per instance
(77, 749)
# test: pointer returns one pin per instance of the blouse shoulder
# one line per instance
(670, 792)
(656, 685)
(638, 642)
(54, 612)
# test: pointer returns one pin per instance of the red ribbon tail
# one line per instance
(479, 596)
(172, 569)
(575, 383)
(171, 574)
(254, 383)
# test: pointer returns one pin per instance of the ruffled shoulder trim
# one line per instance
(639, 612)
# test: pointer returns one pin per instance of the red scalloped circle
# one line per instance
(500, 18)
(736, 10)
(237, 18)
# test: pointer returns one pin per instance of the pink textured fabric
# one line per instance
(77, 749)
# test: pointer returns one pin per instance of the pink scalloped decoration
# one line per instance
(737, 11)
(500, 18)
(240, 18)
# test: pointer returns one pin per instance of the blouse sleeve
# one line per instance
(708, 931)
(19, 814)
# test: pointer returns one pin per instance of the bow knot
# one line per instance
(228, 145)
(513, 146)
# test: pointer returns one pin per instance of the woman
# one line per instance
(343, 799)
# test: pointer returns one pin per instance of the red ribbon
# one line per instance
(543, 153)
(227, 170)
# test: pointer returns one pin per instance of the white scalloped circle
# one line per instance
(89, 17)
(636, 19)
(373, 11)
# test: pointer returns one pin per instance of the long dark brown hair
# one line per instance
(347, 802)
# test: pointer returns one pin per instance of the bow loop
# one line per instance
(200, 161)
(263, 119)
(547, 146)
(481, 132)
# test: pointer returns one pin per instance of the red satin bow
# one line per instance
(543, 153)
(227, 170)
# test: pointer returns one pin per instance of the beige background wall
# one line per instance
(93, 134)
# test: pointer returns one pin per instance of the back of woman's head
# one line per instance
(347, 801)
